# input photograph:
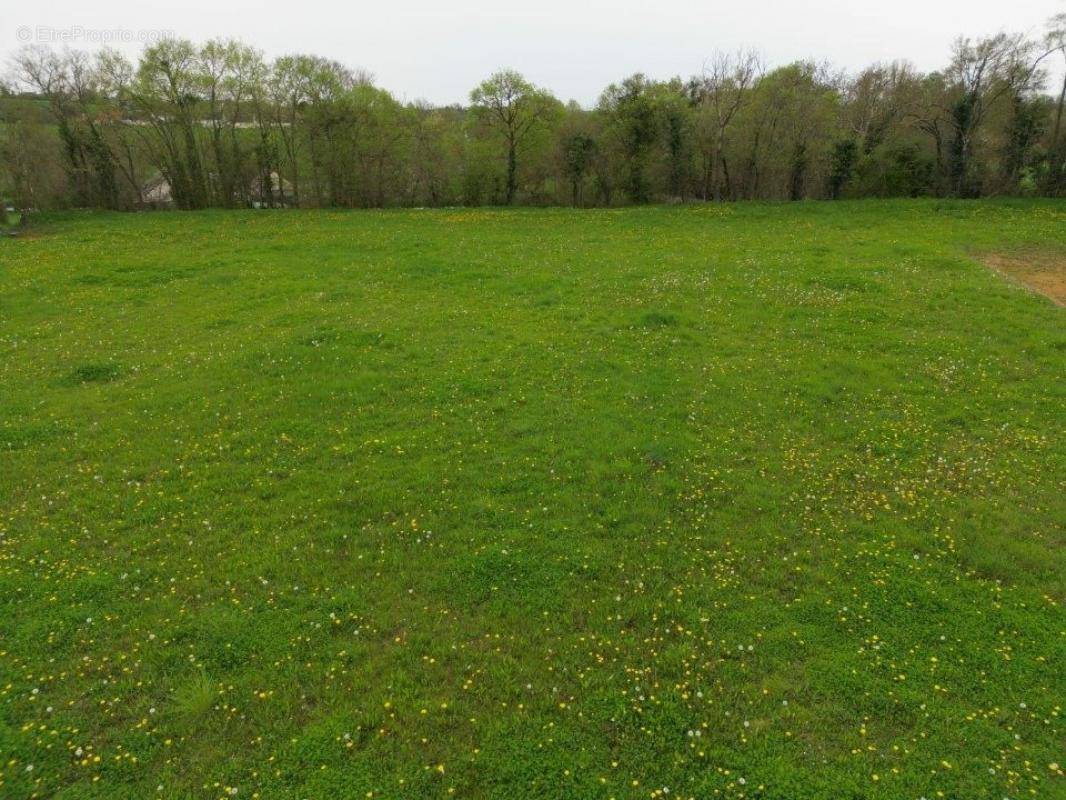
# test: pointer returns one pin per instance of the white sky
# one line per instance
(439, 49)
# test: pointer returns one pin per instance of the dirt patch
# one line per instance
(1041, 272)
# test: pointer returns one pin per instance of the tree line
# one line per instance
(217, 125)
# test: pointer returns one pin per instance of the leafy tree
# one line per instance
(630, 110)
(514, 108)
(217, 125)
(29, 165)
(842, 166)
(579, 153)
(676, 122)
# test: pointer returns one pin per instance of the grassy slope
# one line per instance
(741, 501)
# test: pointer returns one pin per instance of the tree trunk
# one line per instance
(798, 173)
(512, 170)
(719, 149)
(1058, 116)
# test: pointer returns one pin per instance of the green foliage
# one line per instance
(749, 500)
(677, 125)
(516, 111)
(842, 166)
(1026, 126)
(193, 126)
(634, 124)
(898, 171)
(961, 168)
(579, 154)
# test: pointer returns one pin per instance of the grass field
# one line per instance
(744, 501)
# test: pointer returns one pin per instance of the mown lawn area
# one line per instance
(723, 501)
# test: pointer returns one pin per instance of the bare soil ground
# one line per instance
(1041, 272)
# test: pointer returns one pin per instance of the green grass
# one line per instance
(756, 501)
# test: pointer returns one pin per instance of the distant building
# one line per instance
(278, 193)
(156, 193)
(275, 194)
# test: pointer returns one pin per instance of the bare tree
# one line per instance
(874, 101)
(721, 90)
(1056, 43)
(982, 72)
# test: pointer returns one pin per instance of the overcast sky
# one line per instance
(439, 49)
